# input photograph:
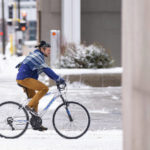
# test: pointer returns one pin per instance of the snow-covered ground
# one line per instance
(49, 140)
(100, 139)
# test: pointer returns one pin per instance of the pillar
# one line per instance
(71, 15)
(136, 74)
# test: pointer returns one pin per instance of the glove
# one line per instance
(60, 81)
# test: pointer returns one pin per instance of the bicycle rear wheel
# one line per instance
(71, 120)
(14, 120)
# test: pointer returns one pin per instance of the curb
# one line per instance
(94, 78)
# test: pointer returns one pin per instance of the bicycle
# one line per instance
(71, 120)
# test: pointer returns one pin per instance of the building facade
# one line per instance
(28, 6)
(100, 22)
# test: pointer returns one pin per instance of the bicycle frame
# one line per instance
(56, 95)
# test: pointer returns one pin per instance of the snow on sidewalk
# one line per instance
(50, 140)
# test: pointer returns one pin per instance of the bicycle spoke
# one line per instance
(13, 121)
(79, 124)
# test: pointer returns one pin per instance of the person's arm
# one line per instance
(49, 72)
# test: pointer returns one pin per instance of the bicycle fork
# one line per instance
(67, 109)
(69, 114)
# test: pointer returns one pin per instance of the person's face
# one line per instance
(46, 51)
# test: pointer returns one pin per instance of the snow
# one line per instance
(88, 56)
(30, 43)
(8, 65)
(50, 140)
(103, 111)
(35, 140)
(116, 70)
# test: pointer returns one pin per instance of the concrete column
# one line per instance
(136, 74)
(71, 21)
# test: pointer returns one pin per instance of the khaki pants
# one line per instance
(31, 85)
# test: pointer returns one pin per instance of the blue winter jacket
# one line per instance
(33, 65)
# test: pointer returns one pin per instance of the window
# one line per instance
(32, 24)
(32, 30)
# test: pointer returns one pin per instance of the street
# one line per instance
(103, 104)
(105, 132)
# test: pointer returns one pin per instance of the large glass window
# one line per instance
(32, 30)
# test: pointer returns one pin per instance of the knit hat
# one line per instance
(43, 44)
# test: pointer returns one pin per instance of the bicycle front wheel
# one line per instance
(71, 120)
(14, 120)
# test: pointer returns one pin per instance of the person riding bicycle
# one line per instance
(27, 77)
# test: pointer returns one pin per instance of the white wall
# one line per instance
(136, 74)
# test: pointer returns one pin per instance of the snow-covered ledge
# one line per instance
(92, 77)
(117, 70)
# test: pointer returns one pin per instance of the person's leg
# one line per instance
(30, 93)
(33, 84)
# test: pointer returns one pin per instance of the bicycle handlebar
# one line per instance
(61, 87)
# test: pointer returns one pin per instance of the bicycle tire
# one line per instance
(75, 109)
(14, 123)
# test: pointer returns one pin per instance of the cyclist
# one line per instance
(27, 77)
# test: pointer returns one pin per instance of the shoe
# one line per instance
(35, 122)
(41, 128)
(31, 110)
